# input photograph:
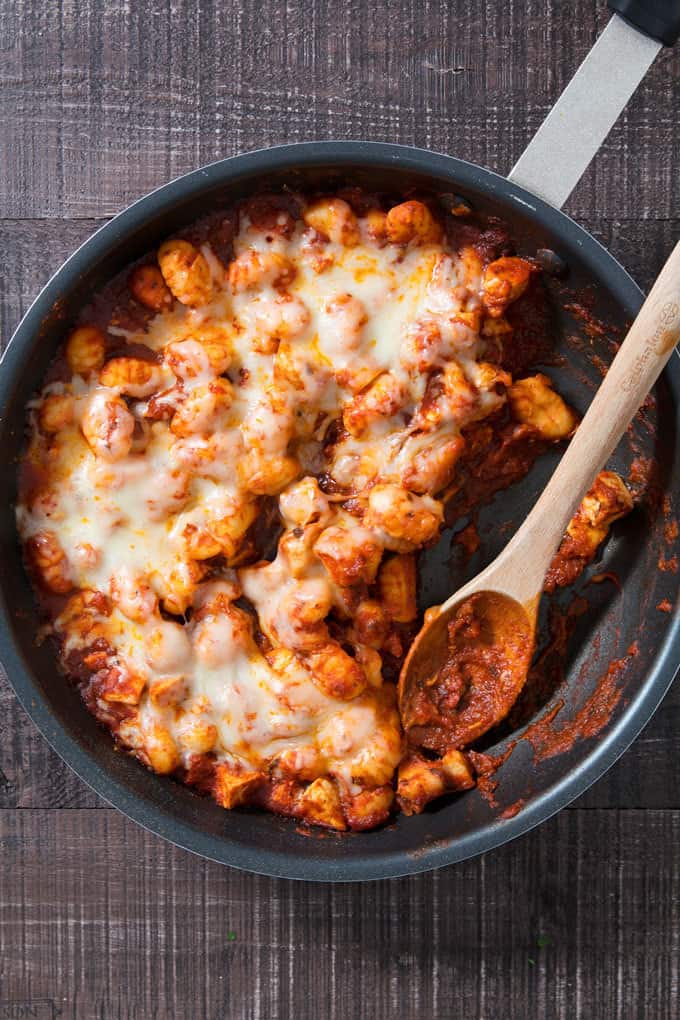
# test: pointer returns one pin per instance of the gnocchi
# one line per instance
(334, 219)
(149, 288)
(185, 272)
(229, 477)
(85, 350)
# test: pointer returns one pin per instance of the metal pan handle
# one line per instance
(564, 145)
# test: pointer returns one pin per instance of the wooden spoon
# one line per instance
(470, 659)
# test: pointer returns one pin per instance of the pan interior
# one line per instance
(619, 617)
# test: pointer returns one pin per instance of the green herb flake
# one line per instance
(231, 936)
(543, 940)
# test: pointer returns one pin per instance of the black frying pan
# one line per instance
(465, 825)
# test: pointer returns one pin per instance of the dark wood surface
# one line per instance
(102, 101)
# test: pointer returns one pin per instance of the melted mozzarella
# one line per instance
(123, 525)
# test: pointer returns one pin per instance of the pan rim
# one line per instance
(225, 849)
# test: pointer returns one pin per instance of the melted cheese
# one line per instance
(300, 354)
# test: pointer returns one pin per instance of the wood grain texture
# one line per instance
(105, 101)
(99, 103)
(108, 921)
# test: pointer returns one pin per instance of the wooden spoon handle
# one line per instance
(636, 367)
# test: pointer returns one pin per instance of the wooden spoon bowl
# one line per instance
(484, 645)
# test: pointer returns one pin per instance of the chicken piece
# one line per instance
(419, 782)
(334, 219)
(350, 555)
(433, 466)
(412, 221)
(196, 734)
(84, 614)
(449, 398)
(168, 691)
(504, 281)
(534, 402)
(397, 587)
(233, 786)
(404, 516)
(265, 475)
(606, 501)
(335, 672)
(122, 687)
(320, 804)
(457, 771)
(383, 398)
(161, 749)
(369, 808)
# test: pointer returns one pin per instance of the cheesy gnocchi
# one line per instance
(227, 483)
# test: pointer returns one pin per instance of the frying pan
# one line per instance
(527, 791)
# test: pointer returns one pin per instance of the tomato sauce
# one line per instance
(489, 648)
(549, 740)
(489, 641)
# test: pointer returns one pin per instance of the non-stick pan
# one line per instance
(621, 621)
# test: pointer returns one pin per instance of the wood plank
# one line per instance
(641, 246)
(107, 921)
(31, 774)
(105, 101)
(37, 248)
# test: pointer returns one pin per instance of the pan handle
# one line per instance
(659, 19)
(564, 145)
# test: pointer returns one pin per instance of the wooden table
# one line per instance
(579, 919)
